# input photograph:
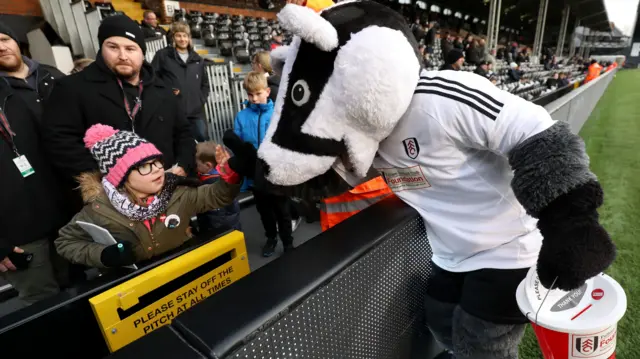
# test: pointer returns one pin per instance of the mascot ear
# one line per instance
(278, 57)
(376, 73)
(309, 26)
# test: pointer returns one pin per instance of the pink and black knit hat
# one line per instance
(117, 152)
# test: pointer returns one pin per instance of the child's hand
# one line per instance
(222, 155)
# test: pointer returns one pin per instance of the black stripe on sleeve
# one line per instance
(459, 99)
(488, 106)
(498, 103)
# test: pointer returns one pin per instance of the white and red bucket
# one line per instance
(577, 324)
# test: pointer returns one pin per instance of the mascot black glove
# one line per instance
(114, 256)
(244, 157)
(575, 246)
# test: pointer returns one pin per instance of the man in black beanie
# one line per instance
(121, 90)
(28, 79)
(31, 194)
(453, 60)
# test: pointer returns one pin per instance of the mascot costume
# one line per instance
(501, 186)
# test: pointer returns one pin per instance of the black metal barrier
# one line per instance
(554, 95)
(355, 291)
(65, 325)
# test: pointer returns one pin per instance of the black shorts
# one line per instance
(488, 294)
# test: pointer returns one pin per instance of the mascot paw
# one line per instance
(573, 253)
(244, 157)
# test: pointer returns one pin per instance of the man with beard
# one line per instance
(30, 193)
(150, 26)
(29, 80)
(181, 68)
(120, 90)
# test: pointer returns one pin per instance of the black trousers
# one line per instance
(275, 215)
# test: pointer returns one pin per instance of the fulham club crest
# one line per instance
(411, 147)
(587, 345)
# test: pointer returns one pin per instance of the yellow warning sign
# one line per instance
(154, 298)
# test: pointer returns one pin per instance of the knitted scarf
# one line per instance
(136, 212)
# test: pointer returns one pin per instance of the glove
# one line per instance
(244, 157)
(575, 246)
(112, 256)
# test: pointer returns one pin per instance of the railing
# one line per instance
(154, 44)
(576, 107)
(225, 99)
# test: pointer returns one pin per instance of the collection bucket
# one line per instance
(577, 324)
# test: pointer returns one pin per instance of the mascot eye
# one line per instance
(300, 92)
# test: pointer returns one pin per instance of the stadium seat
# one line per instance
(241, 54)
(209, 36)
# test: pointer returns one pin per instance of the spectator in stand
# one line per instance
(514, 72)
(458, 44)
(261, 62)
(563, 81)
(276, 39)
(553, 81)
(145, 208)
(121, 90)
(150, 26)
(483, 69)
(468, 42)
(219, 220)
(80, 65)
(251, 125)
(454, 60)
(418, 30)
(31, 193)
(430, 37)
(522, 56)
(181, 68)
(446, 45)
(513, 52)
(481, 48)
(472, 54)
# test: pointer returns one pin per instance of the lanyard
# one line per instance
(132, 112)
(7, 133)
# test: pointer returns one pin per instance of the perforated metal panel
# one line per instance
(365, 312)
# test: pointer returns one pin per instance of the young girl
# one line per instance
(143, 207)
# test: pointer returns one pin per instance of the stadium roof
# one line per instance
(523, 14)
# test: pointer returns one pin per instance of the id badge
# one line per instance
(23, 166)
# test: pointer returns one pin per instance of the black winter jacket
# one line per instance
(150, 32)
(190, 78)
(93, 96)
(274, 84)
(32, 208)
(34, 97)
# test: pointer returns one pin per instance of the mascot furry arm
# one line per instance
(351, 75)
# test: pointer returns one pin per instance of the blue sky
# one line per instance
(622, 13)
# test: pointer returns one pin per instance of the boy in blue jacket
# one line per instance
(219, 220)
(251, 125)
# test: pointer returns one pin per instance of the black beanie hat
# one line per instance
(4, 29)
(453, 56)
(123, 26)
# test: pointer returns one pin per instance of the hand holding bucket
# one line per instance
(578, 324)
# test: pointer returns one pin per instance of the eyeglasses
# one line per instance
(146, 168)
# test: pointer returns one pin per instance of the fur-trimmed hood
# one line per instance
(90, 185)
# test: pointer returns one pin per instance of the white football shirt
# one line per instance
(447, 158)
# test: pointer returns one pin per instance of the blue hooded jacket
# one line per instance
(251, 125)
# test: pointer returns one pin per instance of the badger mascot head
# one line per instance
(347, 78)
